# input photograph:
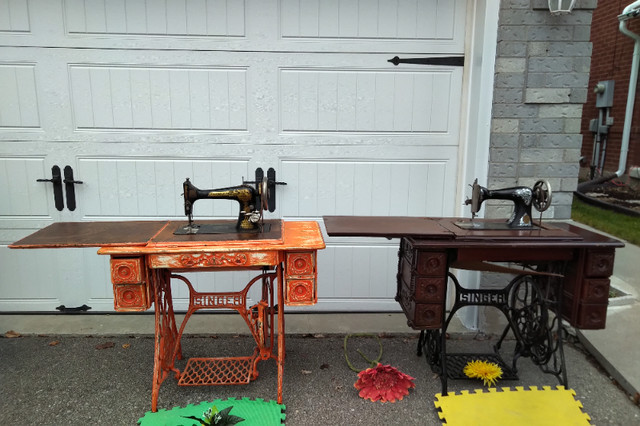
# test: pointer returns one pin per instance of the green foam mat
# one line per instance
(254, 412)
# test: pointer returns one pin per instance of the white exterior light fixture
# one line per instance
(561, 6)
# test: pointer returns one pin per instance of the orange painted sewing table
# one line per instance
(145, 256)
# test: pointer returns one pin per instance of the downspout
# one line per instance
(629, 12)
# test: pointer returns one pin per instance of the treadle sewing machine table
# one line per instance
(146, 255)
(562, 273)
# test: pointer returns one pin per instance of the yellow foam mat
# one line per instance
(539, 407)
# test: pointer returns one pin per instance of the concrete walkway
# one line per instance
(617, 347)
(106, 380)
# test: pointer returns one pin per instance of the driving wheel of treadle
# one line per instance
(542, 195)
(530, 318)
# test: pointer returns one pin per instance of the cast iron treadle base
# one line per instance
(457, 361)
(217, 371)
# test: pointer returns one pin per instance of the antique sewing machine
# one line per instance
(523, 197)
(253, 196)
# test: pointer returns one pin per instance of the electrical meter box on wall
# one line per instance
(604, 93)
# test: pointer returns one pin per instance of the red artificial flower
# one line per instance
(383, 383)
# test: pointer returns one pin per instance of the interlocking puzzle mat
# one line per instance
(539, 407)
(254, 412)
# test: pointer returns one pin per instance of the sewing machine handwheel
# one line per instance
(542, 195)
(476, 197)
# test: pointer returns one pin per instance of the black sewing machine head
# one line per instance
(253, 196)
(523, 198)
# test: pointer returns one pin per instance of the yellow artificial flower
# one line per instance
(489, 372)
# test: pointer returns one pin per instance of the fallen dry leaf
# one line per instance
(126, 346)
(12, 334)
(106, 345)
(54, 343)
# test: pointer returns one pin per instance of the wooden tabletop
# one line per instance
(158, 236)
(385, 226)
(448, 232)
(91, 234)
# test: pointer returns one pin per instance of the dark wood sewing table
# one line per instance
(561, 272)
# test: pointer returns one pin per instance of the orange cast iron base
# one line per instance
(216, 371)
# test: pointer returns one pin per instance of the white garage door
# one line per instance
(137, 95)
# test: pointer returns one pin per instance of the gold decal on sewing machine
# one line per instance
(240, 194)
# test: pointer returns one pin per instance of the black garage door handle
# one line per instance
(56, 180)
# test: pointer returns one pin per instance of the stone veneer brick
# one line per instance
(541, 75)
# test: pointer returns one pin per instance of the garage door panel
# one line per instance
(357, 19)
(20, 193)
(141, 188)
(197, 96)
(19, 106)
(218, 18)
(393, 101)
(43, 279)
(360, 187)
(158, 98)
(14, 17)
(415, 26)
(357, 272)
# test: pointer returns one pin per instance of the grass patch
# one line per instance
(616, 224)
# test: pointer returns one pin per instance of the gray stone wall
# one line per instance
(541, 82)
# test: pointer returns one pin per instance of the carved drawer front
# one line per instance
(431, 263)
(420, 316)
(596, 290)
(131, 297)
(126, 271)
(301, 292)
(130, 287)
(586, 290)
(301, 263)
(422, 285)
(300, 278)
(599, 263)
(422, 289)
(213, 260)
(592, 317)
(429, 290)
(428, 315)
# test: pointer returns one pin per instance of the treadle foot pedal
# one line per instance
(217, 371)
